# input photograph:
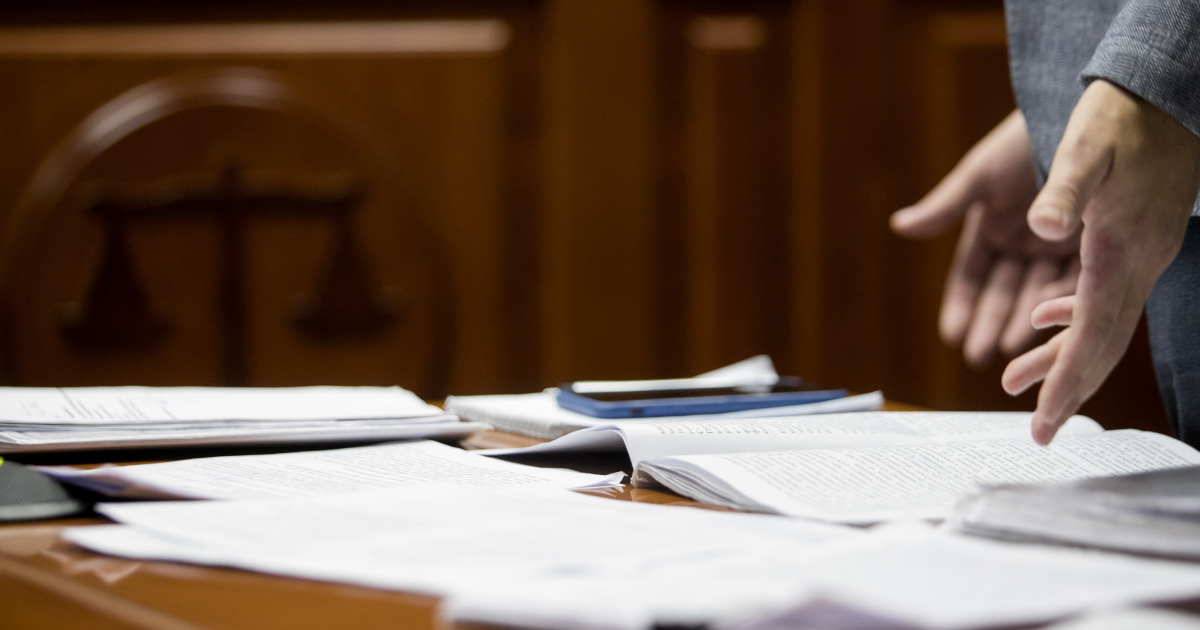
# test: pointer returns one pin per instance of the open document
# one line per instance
(314, 473)
(538, 557)
(50, 419)
(880, 483)
(643, 440)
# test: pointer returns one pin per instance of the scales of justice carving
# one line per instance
(344, 300)
(116, 313)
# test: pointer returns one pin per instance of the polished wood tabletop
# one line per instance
(48, 583)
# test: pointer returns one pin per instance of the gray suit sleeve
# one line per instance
(1152, 49)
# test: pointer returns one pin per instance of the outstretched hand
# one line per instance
(1001, 269)
(1128, 174)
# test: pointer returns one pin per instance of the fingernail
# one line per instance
(1041, 434)
(1052, 215)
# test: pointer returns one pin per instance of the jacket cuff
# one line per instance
(1169, 84)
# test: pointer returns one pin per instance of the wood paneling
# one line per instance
(735, 187)
(441, 113)
(598, 213)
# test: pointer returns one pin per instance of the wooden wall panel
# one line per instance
(444, 112)
(961, 91)
(735, 186)
(598, 298)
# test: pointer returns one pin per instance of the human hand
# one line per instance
(1001, 270)
(1128, 173)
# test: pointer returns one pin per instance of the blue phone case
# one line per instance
(698, 405)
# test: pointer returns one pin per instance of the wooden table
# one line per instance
(48, 583)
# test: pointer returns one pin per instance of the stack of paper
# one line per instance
(539, 415)
(1152, 513)
(56, 419)
(543, 557)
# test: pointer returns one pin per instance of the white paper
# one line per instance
(647, 439)
(536, 557)
(120, 406)
(872, 484)
(756, 371)
(441, 540)
(316, 473)
(902, 578)
(1132, 619)
(932, 580)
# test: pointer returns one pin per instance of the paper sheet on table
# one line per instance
(722, 434)
(445, 539)
(314, 473)
(873, 484)
(119, 406)
(1131, 619)
(907, 578)
(757, 370)
(930, 579)
(541, 558)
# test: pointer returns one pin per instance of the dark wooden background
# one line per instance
(592, 189)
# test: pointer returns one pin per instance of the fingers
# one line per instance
(940, 209)
(1003, 156)
(1056, 312)
(1031, 368)
(1042, 273)
(1079, 168)
(1066, 284)
(992, 311)
(1103, 317)
(968, 273)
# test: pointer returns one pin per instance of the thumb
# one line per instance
(1078, 170)
(939, 210)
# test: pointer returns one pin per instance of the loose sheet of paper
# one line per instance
(315, 473)
(867, 485)
(912, 577)
(541, 558)
(117, 406)
(934, 580)
(1132, 619)
(835, 430)
(445, 539)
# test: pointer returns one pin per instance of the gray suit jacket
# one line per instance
(1057, 47)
